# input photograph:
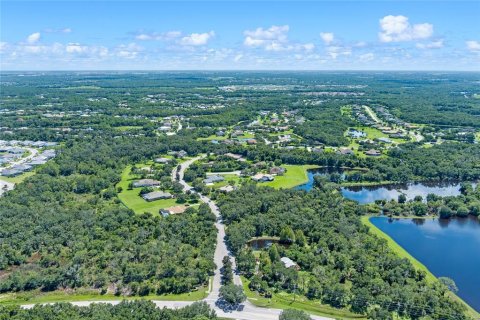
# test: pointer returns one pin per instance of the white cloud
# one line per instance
(75, 48)
(238, 57)
(308, 47)
(197, 39)
(271, 38)
(128, 51)
(335, 51)
(3, 46)
(431, 45)
(274, 38)
(473, 45)
(398, 28)
(367, 57)
(327, 37)
(33, 38)
(62, 30)
(163, 36)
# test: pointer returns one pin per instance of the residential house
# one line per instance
(227, 189)
(214, 178)
(373, 153)
(277, 170)
(162, 160)
(146, 183)
(260, 177)
(289, 263)
(157, 195)
(345, 151)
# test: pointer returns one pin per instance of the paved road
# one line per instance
(417, 137)
(236, 172)
(33, 153)
(248, 311)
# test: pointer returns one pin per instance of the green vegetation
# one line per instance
(323, 235)
(124, 310)
(37, 296)
(131, 198)
(19, 178)
(294, 176)
(283, 300)
(395, 247)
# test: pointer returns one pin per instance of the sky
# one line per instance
(248, 35)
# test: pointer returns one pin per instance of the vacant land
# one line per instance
(295, 176)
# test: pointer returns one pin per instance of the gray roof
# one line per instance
(146, 183)
(288, 263)
(155, 195)
(213, 179)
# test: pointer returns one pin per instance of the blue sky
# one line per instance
(312, 35)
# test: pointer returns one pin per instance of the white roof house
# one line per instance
(288, 263)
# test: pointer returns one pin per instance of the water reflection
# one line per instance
(369, 194)
(447, 247)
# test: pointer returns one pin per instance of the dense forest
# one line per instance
(341, 263)
(126, 310)
(64, 228)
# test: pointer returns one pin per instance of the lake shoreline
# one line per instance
(403, 253)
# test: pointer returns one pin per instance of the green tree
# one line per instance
(292, 314)
(232, 294)
(287, 235)
(300, 238)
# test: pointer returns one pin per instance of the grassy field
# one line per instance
(127, 128)
(213, 137)
(18, 179)
(132, 200)
(295, 176)
(228, 178)
(401, 252)
(285, 300)
(36, 296)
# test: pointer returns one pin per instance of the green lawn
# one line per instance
(127, 128)
(213, 137)
(402, 253)
(285, 300)
(132, 200)
(36, 296)
(228, 178)
(18, 179)
(295, 176)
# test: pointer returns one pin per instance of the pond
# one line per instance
(448, 248)
(261, 243)
(388, 192)
(318, 172)
(368, 194)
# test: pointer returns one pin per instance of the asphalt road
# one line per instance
(246, 311)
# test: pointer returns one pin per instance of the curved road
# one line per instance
(247, 311)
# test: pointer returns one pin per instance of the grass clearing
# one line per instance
(19, 178)
(213, 137)
(127, 128)
(37, 296)
(285, 300)
(295, 176)
(132, 200)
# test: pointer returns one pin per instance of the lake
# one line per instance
(368, 194)
(388, 192)
(448, 248)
